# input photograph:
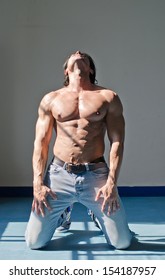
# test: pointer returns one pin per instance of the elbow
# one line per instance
(118, 145)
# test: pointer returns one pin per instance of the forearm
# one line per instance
(115, 161)
(40, 191)
(40, 156)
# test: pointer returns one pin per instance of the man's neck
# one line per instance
(78, 87)
(79, 78)
(79, 82)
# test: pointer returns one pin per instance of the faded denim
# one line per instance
(71, 188)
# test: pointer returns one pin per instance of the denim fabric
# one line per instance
(71, 188)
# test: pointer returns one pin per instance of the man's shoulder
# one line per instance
(49, 96)
(115, 105)
(109, 94)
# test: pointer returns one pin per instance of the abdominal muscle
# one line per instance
(79, 141)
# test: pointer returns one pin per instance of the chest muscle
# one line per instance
(92, 109)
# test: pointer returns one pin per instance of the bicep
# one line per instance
(115, 121)
(44, 125)
(116, 128)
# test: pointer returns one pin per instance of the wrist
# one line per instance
(37, 183)
(111, 180)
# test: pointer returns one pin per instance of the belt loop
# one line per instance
(86, 166)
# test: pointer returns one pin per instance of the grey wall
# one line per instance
(125, 38)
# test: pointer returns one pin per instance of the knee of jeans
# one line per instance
(122, 244)
(33, 243)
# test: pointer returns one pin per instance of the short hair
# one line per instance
(92, 76)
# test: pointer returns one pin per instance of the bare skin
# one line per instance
(80, 113)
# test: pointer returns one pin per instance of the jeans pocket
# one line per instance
(54, 168)
(101, 171)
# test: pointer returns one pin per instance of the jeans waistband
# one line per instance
(81, 167)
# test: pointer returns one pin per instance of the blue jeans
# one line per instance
(71, 188)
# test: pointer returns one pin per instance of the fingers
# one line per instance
(52, 194)
(109, 210)
(33, 205)
(40, 201)
(39, 207)
(98, 195)
(117, 205)
(46, 204)
(103, 205)
(112, 206)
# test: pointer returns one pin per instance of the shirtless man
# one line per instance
(80, 112)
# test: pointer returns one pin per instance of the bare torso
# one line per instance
(80, 112)
(80, 123)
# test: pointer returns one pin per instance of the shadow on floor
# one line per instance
(147, 245)
(80, 241)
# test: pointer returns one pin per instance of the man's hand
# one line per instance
(40, 200)
(110, 199)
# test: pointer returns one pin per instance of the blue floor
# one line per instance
(146, 217)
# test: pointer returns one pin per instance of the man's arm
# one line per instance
(116, 131)
(44, 128)
(116, 134)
